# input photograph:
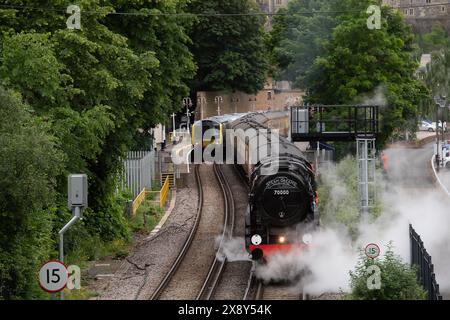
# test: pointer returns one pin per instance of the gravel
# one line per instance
(192, 272)
(236, 273)
(142, 271)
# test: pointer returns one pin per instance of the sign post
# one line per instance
(77, 198)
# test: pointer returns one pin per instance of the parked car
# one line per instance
(427, 126)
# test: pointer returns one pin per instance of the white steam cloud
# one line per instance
(333, 254)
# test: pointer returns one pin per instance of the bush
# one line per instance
(29, 165)
(339, 196)
(398, 280)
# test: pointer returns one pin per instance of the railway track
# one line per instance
(215, 272)
(257, 290)
(278, 292)
(164, 283)
(213, 275)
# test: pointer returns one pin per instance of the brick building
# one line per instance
(423, 14)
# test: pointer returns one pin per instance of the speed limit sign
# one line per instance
(53, 276)
(372, 250)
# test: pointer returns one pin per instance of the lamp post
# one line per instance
(235, 101)
(218, 100)
(174, 131)
(187, 102)
(440, 103)
(202, 102)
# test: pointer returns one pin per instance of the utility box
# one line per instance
(77, 191)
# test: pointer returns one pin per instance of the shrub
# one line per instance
(29, 165)
(398, 279)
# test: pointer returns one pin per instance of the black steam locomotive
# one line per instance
(282, 207)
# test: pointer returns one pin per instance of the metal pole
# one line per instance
(75, 218)
(174, 131)
(437, 139)
(218, 100)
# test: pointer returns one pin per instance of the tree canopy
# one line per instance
(97, 90)
(354, 64)
(230, 50)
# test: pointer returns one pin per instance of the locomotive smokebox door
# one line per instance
(77, 191)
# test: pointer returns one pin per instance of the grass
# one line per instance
(147, 217)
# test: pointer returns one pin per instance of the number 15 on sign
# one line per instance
(53, 276)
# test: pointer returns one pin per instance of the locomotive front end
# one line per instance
(281, 210)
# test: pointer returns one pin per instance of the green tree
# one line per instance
(29, 165)
(230, 51)
(360, 61)
(398, 280)
(435, 40)
(98, 86)
(297, 38)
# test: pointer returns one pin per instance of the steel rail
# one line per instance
(164, 283)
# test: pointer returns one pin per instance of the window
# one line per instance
(428, 1)
(269, 95)
(279, 2)
(443, 8)
(411, 12)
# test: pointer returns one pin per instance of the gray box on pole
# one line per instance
(77, 191)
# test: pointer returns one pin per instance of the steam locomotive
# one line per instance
(282, 207)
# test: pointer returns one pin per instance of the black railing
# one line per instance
(425, 268)
(333, 122)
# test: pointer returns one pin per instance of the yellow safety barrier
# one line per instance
(163, 194)
(138, 201)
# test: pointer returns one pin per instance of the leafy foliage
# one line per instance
(398, 279)
(359, 62)
(434, 40)
(339, 196)
(29, 165)
(93, 95)
(352, 64)
(230, 51)
(298, 39)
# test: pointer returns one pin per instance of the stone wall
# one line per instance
(271, 98)
(423, 14)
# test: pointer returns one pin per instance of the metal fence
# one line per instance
(421, 259)
(138, 171)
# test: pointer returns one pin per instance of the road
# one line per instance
(444, 175)
(409, 167)
(417, 197)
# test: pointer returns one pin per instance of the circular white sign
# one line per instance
(53, 276)
(372, 250)
(256, 239)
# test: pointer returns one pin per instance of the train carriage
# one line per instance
(282, 206)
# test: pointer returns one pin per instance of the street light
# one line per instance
(440, 103)
(235, 100)
(174, 131)
(218, 100)
(201, 101)
(187, 102)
